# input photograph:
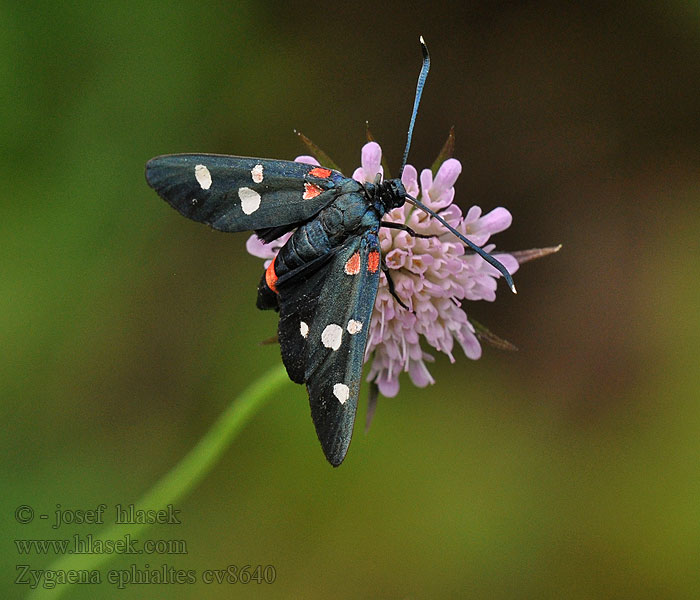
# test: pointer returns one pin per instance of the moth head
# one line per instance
(392, 194)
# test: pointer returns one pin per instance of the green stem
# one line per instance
(181, 479)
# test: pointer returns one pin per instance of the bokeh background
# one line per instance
(567, 469)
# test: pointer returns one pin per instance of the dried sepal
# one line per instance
(483, 333)
(447, 151)
(372, 398)
(523, 256)
(322, 157)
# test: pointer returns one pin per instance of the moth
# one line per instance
(324, 280)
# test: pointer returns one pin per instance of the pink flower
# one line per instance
(433, 276)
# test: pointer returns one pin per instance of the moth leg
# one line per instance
(407, 229)
(392, 289)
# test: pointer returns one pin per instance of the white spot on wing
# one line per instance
(342, 392)
(257, 173)
(332, 336)
(304, 329)
(250, 200)
(354, 327)
(203, 176)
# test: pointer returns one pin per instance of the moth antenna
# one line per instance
(485, 255)
(419, 90)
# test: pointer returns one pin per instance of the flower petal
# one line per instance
(371, 161)
(446, 176)
(409, 178)
(426, 180)
(508, 261)
(388, 386)
(499, 219)
(473, 214)
(419, 374)
(255, 246)
(358, 174)
(470, 343)
(309, 160)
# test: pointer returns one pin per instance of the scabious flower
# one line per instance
(432, 276)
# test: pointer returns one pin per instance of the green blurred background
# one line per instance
(568, 469)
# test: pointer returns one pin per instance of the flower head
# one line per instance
(432, 275)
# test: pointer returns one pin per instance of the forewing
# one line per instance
(324, 322)
(233, 193)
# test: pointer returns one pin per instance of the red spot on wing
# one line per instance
(320, 172)
(373, 261)
(352, 267)
(311, 191)
(271, 276)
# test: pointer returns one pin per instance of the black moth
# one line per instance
(324, 280)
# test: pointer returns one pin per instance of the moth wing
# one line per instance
(323, 329)
(233, 193)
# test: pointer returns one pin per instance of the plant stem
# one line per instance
(181, 479)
